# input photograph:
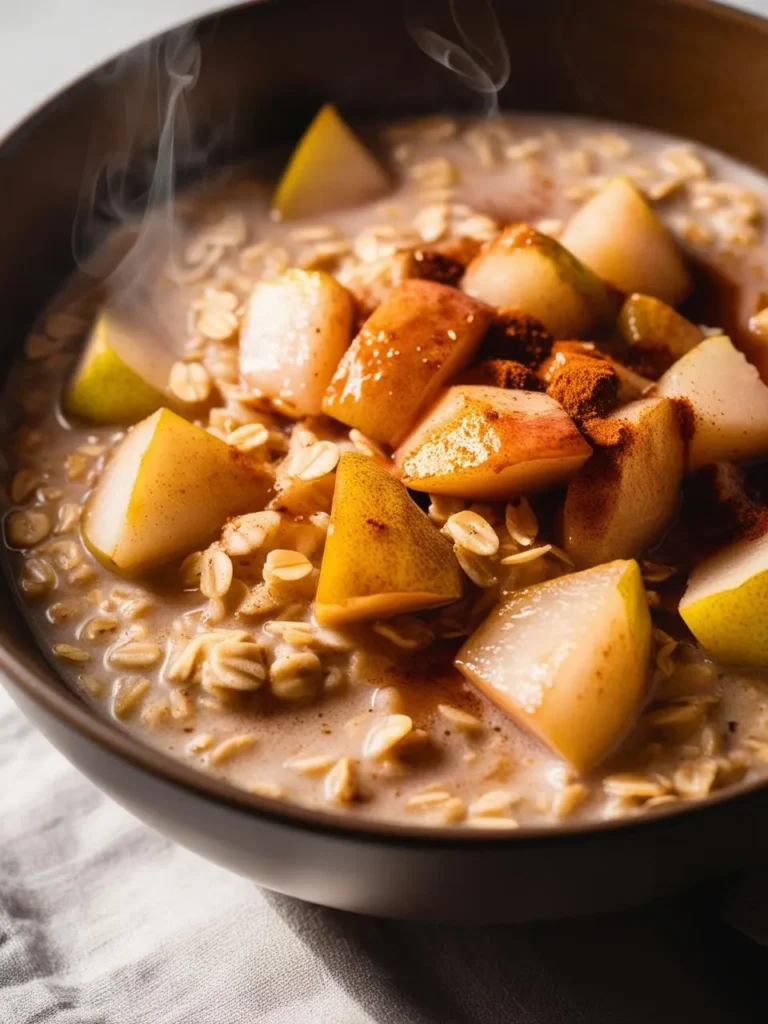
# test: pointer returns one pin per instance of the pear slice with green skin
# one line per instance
(656, 331)
(383, 556)
(330, 168)
(726, 603)
(619, 237)
(624, 498)
(489, 444)
(568, 659)
(121, 375)
(296, 330)
(529, 272)
(727, 398)
(168, 489)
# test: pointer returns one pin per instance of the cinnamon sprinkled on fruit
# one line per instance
(430, 265)
(515, 335)
(503, 373)
(585, 387)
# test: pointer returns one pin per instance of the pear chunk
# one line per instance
(726, 603)
(168, 489)
(122, 374)
(619, 237)
(728, 400)
(568, 659)
(531, 273)
(625, 496)
(656, 332)
(297, 329)
(383, 556)
(419, 337)
(329, 168)
(488, 444)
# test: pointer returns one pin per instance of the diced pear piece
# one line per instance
(168, 489)
(623, 499)
(619, 237)
(568, 659)
(488, 443)
(329, 168)
(413, 343)
(297, 328)
(728, 400)
(122, 374)
(383, 556)
(656, 331)
(531, 273)
(726, 603)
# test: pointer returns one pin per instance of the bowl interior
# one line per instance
(689, 68)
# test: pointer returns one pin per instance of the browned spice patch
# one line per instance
(502, 373)
(649, 361)
(562, 352)
(686, 417)
(718, 510)
(377, 526)
(585, 387)
(516, 335)
(430, 265)
(608, 433)
(593, 490)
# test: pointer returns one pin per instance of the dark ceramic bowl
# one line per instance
(687, 67)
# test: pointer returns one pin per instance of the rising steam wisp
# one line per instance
(135, 188)
(480, 59)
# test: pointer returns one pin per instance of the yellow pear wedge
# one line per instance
(726, 603)
(329, 168)
(121, 376)
(568, 659)
(619, 237)
(383, 556)
(728, 400)
(168, 489)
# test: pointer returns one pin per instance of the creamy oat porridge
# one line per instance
(433, 491)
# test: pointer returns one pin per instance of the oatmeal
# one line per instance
(400, 520)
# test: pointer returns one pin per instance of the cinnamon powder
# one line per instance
(585, 387)
(502, 373)
(518, 336)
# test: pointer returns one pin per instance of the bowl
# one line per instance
(683, 66)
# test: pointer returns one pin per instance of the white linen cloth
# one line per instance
(103, 921)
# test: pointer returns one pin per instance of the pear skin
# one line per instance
(168, 489)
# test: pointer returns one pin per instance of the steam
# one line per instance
(136, 185)
(480, 59)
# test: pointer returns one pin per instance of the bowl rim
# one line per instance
(51, 694)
